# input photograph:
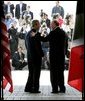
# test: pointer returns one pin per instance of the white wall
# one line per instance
(36, 6)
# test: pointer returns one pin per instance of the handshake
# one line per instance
(43, 34)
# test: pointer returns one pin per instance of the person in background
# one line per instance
(27, 17)
(28, 13)
(18, 60)
(58, 9)
(41, 12)
(45, 46)
(9, 8)
(13, 38)
(42, 20)
(9, 20)
(66, 22)
(71, 25)
(23, 32)
(58, 18)
(19, 9)
(47, 20)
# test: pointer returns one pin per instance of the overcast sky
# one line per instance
(36, 6)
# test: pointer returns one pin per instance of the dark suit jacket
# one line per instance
(56, 40)
(48, 23)
(34, 50)
(26, 12)
(13, 33)
(59, 10)
(31, 13)
(11, 9)
(17, 10)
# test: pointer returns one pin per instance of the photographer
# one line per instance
(13, 37)
(45, 46)
(8, 20)
(23, 32)
(27, 14)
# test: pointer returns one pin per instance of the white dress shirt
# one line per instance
(20, 9)
(8, 8)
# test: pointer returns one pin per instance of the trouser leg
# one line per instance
(53, 78)
(36, 76)
(61, 80)
(29, 84)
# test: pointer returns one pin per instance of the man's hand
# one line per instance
(43, 34)
(33, 33)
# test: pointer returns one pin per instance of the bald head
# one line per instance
(54, 24)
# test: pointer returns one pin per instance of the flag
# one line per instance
(6, 68)
(76, 65)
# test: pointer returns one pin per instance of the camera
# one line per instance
(45, 32)
(7, 17)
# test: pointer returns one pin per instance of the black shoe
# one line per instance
(62, 90)
(27, 90)
(35, 92)
(55, 92)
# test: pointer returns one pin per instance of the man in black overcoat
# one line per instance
(19, 9)
(9, 8)
(57, 44)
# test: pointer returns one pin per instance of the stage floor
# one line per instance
(19, 81)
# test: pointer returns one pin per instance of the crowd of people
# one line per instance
(19, 23)
(39, 38)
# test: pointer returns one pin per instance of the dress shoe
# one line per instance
(35, 91)
(54, 92)
(27, 90)
(62, 91)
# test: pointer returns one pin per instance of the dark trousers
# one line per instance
(34, 75)
(57, 75)
(13, 48)
(19, 65)
(57, 80)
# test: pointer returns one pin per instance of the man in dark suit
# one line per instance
(13, 37)
(57, 40)
(29, 12)
(19, 9)
(28, 15)
(8, 8)
(47, 20)
(34, 57)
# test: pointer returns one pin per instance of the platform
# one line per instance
(19, 80)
